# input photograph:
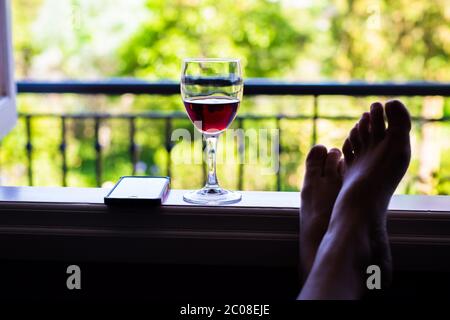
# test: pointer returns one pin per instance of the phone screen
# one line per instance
(139, 188)
(147, 188)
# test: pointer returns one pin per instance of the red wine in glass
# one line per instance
(211, 89)
(212, 114)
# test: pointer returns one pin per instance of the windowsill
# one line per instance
(251, 199)
(46, 223)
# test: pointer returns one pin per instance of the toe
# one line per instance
(315, 161)
(331, 163)
(363, 128)
(348, 152)
(377, 125)
(355, 140)
(397, 117)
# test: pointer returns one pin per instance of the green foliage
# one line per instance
(24, 12)
(255, 31)
(390, 40)
(373, 40)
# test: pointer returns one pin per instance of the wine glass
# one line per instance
(212, 91)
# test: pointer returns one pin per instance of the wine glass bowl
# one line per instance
(211, 115)
(212, 91)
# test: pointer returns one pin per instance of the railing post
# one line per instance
(314, 119)
(280, 150)
(133, 146)
(241, 154)
(29, 148)
(62, 149)
(98, 153)
(168, 144)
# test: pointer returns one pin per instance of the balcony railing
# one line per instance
(252, 87)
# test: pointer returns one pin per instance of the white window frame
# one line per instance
(8, 111)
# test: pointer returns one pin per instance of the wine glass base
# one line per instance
(212, 196)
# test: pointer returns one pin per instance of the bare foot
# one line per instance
(376, 159)
(320, 189)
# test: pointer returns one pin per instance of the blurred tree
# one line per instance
(255, 31)
(375, 40)
(381, 40)
(24, 13)
(72, 38)
(389, 40)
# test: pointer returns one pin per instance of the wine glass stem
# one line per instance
(211, 147)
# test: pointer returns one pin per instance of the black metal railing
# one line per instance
(252, 87)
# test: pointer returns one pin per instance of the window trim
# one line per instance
(8, 112)
(73, 224)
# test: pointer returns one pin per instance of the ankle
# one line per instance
(350, 239)
(349, 224)
(342, 259)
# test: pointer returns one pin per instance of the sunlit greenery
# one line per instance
(256, 31)
(301, 40)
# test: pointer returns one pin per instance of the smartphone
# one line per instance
(130, 190)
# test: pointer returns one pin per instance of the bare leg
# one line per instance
(376, 160)
(320, 189)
